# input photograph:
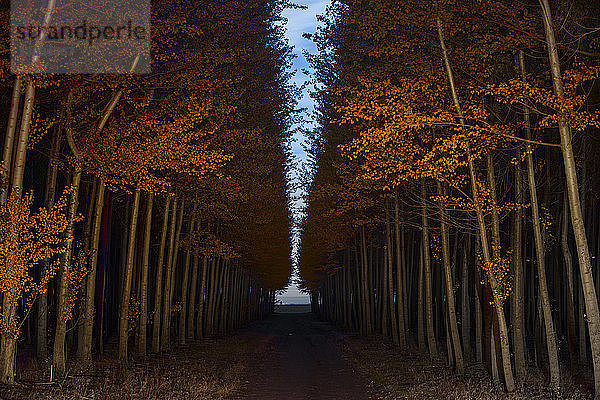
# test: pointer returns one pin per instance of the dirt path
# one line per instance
(301, 362)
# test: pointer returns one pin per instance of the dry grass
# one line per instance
(208, 369)
(406, 374)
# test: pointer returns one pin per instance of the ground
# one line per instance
(302, 362)
(410, 375)
(285, 357)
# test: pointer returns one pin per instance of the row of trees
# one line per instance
(454, 195)
(153, 220)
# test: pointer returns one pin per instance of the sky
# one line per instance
(299, 22)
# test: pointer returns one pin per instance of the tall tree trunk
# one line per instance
(222, 315)
(478, 311)
(8, 343)
(496, 360)
(49, 197)
(503, 330)
(166, 313)
(451, 308)
(201, 296)
(427, 276)
(404, 262)
(176, 255)
(465, 301)
(216, 297)
(85, 347)
(193, 288)
(144, 282)
(9, 140)
(365, 281)
(18, 170)
(541, 259)
(59, 358)
(420, 319)
(159, 278)
(400, 300)
(519, 279)
(571, 335)
(541, 268)
(383, 292)
(87, 234)
(124, 309)
(585, 263)
(105, 240)
(210, 295)
(184, 285)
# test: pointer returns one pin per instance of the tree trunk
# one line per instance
(9, 140)
(59, 359)
(585, 263)
(420, 322)
(465, 301)
(159, 279)
(519, 279)
(427, 276)
(49, 197)
(144, 281)
(21, 153)
(212, 296)
(503, 330)
(124, 309)
(87, 234)
(8, 343)
(365, 280)
(478, 312)
(383, 292)
(176, 255)
(571, 335)
(201, 296)
(166, 314)
(496, 361)
(541, 268)
(184, 285)
(193, 288)
(400, 300)
(451, 308)
(85, 347)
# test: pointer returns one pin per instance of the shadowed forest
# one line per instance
(444, 221)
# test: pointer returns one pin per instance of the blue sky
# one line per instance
(299, 22)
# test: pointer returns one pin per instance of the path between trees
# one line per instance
(301, 361)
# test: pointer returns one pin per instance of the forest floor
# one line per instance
(286, 356)
(303, 362)
(206, 369)
(411, 375)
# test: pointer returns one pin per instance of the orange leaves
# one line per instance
(26, 240)
(549, 107)
(206, 244)
(38, 129)
(500, 269)
(77, 273)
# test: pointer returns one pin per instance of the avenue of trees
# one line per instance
(455, 194)
(137, 211)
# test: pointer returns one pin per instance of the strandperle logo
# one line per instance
(66, 36)
(91, 33)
